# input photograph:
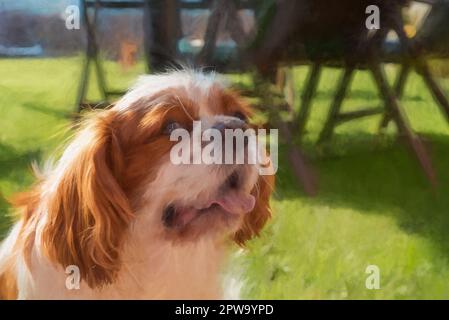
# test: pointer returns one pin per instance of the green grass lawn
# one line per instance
(374, 206)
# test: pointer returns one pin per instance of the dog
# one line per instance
(114, 218)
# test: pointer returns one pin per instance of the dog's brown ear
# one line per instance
(254, 221)
(88, 212)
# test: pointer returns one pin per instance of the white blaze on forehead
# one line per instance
(195, 83)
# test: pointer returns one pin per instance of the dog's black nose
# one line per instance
(229, 123)
(168, 216)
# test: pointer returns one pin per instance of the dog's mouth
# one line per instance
(230, 201)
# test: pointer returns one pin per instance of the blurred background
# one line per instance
(360, 100)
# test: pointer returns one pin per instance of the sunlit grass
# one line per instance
(374, 205)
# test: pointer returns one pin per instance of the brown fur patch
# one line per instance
(8, 286)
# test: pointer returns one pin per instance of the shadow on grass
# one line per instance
(385, 179)
(14, 170)
(360, 94)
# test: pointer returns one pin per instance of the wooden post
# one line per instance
(399, 86)
(91, 55)
(339, 97)
(437, 93)
(392, 104)
(217, 14)
(306, 98)
(161, 33)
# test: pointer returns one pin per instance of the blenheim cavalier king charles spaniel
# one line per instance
(135, 225)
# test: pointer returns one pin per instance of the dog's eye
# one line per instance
(171, 126)
(240, 115)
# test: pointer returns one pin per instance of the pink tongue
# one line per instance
(187, 215)
(237, 203)
(233, 202)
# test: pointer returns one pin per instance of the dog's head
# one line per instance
(120, 173)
